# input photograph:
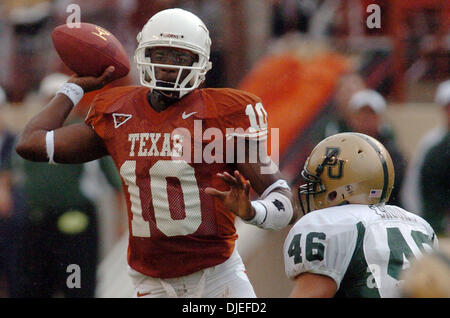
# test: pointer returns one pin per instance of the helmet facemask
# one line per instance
(313, 185)
(194, 78)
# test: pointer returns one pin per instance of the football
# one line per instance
(89, 49)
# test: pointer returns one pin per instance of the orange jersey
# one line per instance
(166, 160)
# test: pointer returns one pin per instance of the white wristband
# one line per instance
(73, 91)
(274, 212)
(268, 215)
(50, 146)
(260, 214)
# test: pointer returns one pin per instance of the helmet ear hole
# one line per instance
(332, 196)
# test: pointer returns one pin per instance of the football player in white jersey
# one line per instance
(350, 243)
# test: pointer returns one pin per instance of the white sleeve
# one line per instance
(317, 246)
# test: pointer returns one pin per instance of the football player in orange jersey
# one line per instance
(177, 148)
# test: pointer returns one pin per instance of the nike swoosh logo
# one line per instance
(142, 294)
(184, 115)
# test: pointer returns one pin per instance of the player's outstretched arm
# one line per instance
(309, 285)
(70, 144)
(277, 206)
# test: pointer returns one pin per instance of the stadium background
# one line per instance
(278, 49)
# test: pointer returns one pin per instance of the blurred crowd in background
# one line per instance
(317, 65)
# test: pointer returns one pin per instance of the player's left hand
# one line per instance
(237, 199)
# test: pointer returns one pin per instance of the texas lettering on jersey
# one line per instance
(171, 146)
(166, 160)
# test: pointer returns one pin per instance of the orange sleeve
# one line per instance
(241, 114)
(104, 104)
(95, 116)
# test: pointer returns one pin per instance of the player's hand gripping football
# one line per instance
(91, 83)
(237, 199)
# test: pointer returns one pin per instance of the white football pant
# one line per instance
(226, 280)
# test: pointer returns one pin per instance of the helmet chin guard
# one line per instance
(313, 183)
(174, 28)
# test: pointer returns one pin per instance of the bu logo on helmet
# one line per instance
(334, 166)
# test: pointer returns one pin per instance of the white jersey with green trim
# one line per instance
(362, 248)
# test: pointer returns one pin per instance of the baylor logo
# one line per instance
(334, 166)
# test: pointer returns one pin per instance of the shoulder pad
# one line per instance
(108, 101)
(229, 100)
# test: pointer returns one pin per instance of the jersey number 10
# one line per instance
(159, 173)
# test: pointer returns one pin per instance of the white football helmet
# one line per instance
(176, 28)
